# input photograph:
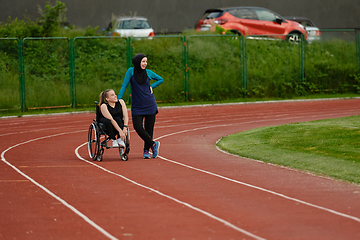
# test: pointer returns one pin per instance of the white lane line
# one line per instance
(64, 202)
(264, 190)
(83, 216)
(37, 130)
(246, 184)
(169, 197)
(237, 117)
(217, 175)
(242, 118)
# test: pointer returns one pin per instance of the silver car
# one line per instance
(132, 27)
(314, 32)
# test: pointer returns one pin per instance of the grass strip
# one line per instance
(325, 147)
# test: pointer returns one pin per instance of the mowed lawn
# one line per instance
(325, 147)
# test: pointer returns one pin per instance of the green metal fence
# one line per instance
(45, 78)
(340, 61)
(172, 70)
(99, 63)
(55, 72)
(215, 67)
(10, 73)
(270, 57)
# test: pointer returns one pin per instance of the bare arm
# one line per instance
(125, 114)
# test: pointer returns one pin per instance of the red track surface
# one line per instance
(49, 189)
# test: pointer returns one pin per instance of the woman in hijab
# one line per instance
(143, 104)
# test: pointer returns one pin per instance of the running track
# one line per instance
(49, 189)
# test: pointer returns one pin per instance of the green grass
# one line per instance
(326, 147)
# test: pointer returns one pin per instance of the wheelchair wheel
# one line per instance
(127, 143)
(127, 149)
(123, 154)
(93, 141)
(100, 154)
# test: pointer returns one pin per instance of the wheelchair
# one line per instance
(98, 140)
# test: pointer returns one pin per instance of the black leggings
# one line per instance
(110, 129)
(146, 133)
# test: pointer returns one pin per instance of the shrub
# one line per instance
(214, 64)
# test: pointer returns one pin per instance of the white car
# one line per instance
(314, 33)
(132, 27)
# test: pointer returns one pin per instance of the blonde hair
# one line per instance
(103, 96)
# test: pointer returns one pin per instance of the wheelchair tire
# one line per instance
(93, 141)
(123, 154)
(127, 149)
(100, 154)
(124, 157)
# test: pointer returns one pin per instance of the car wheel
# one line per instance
(294, 37)
(236, 32)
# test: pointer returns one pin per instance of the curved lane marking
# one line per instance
(264, 190)
(77, 212)
(246, 184)
(219, 176)
(169, 197)
(158, 192)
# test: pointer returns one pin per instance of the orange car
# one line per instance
(251, 21)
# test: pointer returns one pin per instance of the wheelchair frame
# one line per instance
(98, 139)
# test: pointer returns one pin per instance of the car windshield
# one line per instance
(133, 24)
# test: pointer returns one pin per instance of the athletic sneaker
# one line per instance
(114, 143)
(120, 142)
(146, 154)
(155, 149)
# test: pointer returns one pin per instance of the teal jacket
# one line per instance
(130, 72)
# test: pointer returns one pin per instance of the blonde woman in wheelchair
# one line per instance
(114, 115)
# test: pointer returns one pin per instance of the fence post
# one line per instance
(21, 74)
(302, 58)
(244, 62)
(72, 72)
(185, 69)
(128, 52)
(358, 50)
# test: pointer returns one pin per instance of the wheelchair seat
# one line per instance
(102, 127)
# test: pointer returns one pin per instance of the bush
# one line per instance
(214, 65)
